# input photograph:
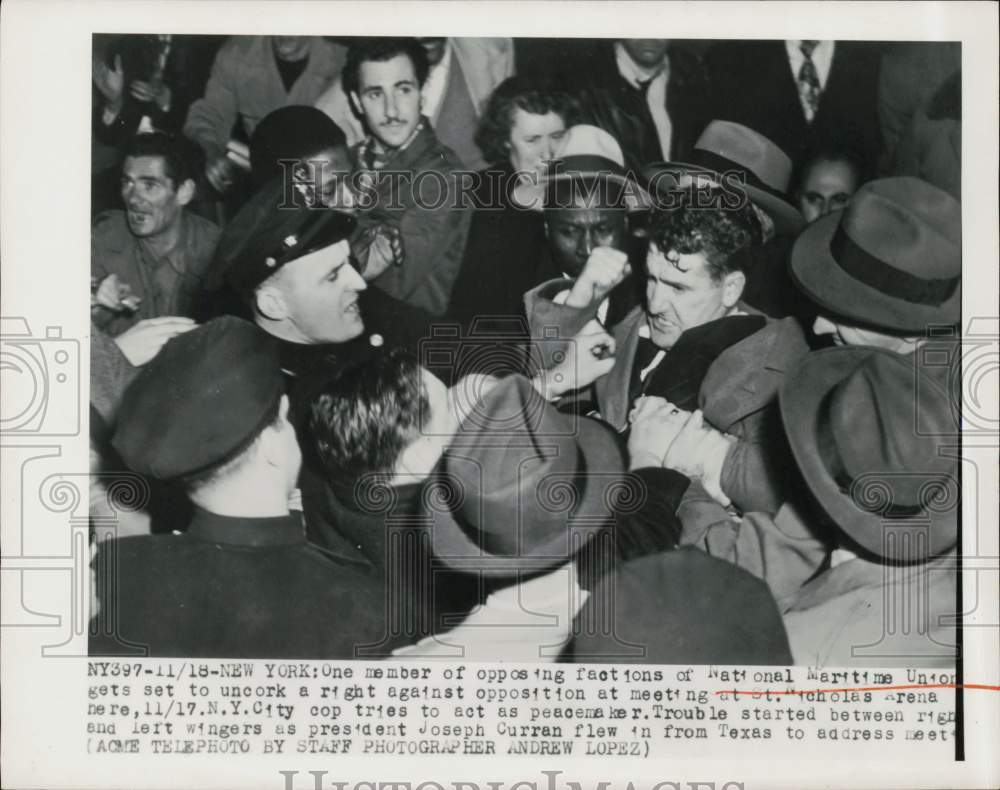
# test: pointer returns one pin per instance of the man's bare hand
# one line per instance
(156, 90)
(605, 268)
(110, 83)
(143, 341)
(220, 173)
(112, 294)
(590, 355)
(655, 425)
(380, 248)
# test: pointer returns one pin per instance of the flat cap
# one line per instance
(200, 401)
(276, 226)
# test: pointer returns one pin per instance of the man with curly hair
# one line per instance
(692, 342)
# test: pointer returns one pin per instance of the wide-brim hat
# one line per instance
(735, 157)
(865, 426)
(592, 155)
(891, 260)
(521, 487)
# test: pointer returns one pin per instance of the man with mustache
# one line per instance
(149, 261)
(409, 176)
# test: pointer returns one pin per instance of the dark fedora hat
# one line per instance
(891, 260)
(765, 170)
(521, 487)
(869, 448)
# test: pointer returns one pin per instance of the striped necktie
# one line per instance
(808, 80)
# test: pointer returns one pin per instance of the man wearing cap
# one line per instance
(210, 412)
(693, 342)
(886, 271)
(410, 175)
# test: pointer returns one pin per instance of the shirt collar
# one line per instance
(386, 153)
(632, 71)
(252, 532)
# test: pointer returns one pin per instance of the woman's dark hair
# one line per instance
(538, 96)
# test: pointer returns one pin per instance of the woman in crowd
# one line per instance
(523, 127)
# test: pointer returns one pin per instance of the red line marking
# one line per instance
(978, 686)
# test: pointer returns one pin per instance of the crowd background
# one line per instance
(690, 362)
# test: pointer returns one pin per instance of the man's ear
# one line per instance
(185, 193)
(732, 288)
(356, 103)
(270, 302)
(271, 441)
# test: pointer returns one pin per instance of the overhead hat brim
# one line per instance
(666, 176)
(822, 277)
(582, 167)
(801, 402)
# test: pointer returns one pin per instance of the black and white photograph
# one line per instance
(460, 393)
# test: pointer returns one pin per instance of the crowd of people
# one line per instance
(492, 349)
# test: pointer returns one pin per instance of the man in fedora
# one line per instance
(210, 411)
(867, 430)
(535, 503)
(887, 270)
(872, 454)
(378, 427)
(691, 340)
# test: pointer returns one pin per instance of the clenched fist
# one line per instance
(605, 268)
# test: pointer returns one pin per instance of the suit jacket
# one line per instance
(753, 84)
(232, 588)
(610, 102)
(434, 229)
(864, 613)
(738, 394)
(245, 85)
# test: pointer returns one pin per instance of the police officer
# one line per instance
(210, 412)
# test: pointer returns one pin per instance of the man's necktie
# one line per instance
(643, 85)
(645, 353)
(808, 80)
